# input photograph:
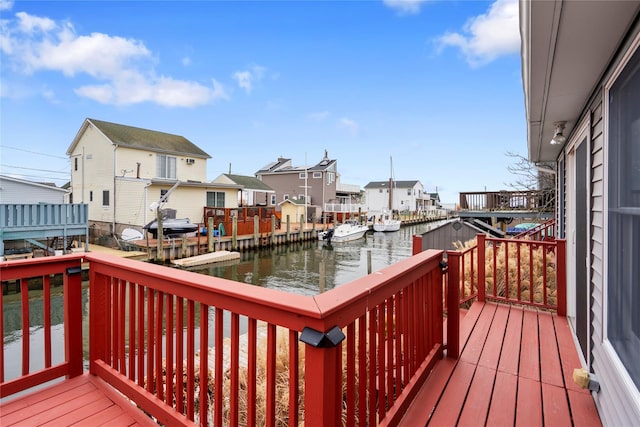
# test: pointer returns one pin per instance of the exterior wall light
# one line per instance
(558, 137)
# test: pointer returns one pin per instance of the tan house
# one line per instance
(120, 171)
(581, 77)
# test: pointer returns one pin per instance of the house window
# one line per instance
(623, 286)
(317, 174)
(285, 197)
(166, 167)
(164, 193)
(215, 199)
(272, 199)
(105, 197)
(330, 177)
(408, 192)
(91, 195)
(75, 164)
(303, 175)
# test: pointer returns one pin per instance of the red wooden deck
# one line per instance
(515, 368)
(80, 401)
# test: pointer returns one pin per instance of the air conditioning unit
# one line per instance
(191, 161)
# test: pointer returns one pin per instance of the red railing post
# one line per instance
(481, 267)
(453, 304)
(97, 317)
(416, 245)
(72, 283)
(323, 377)
(561, 276)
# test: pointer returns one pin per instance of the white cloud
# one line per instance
(6, 4)
(122, 68)
(488, 36)
(186, 61)
(318, 116)
(350, 125)
(405, 7)
(247, 78)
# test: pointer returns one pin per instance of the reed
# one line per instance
(525, 266)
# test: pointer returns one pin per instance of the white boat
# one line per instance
(386, 222)
(345, 232)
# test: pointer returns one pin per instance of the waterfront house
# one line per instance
(405, 196)
(16, 190)
(120, 171)
(252, 192)
(581, 77)
(320, 184)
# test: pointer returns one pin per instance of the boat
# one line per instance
(172, 227)
(345, 232)
(130, 235)
(386, 222)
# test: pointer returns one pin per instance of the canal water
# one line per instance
(306, 268)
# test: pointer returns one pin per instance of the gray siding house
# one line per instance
(317, 182)
(581, 78)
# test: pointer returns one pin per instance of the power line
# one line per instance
(34, 152)
(33, 169)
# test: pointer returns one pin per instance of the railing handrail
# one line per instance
(397, 311)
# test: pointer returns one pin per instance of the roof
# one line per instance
(374, 185)
(35, 184)
(566, 48)
(141, 139)
(283, 165)
(297, 202)
(247, 182)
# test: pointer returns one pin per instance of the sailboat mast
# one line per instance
(391, 184)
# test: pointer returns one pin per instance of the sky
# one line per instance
(415, 89)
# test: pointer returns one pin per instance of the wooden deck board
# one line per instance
(529, 404)
(478, 337)
(503, 400)
(555, 406)
(493, 347)
(550, 369)
(530, 347)
(510, 354)
(478, 399)
(79, 401)
(520, 378)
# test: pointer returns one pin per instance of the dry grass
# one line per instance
(527, 268)
(282, 374)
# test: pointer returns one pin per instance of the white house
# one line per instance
(20, 191)
(119, 171)
(404, 196)
(581, 78)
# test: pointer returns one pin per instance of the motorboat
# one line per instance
(172, 227)
(386, 222)
(345, 232)
(130, 235)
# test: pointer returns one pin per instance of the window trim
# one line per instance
(618, 374)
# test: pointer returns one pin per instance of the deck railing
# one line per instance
(511, 271)
(543, 231)
(533, 200)
(192, 348)
(40, 272)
